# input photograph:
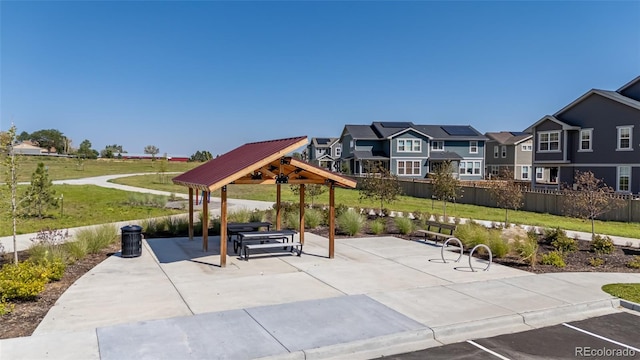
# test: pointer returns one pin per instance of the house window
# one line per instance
(496, 151)
(351, 144)
(539, 173)
(503, 151)
(495, 170)
(625, 137)
(409, 145)
(525, 172)
(586, 136)
(469, 167)
(526, 147)
(338, 151)
(437, 146)
(549, 141)
(473, 147)
(408, 167)
(624, 178)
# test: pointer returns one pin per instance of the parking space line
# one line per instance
(487, 350)
(601, 337)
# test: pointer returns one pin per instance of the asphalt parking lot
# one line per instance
(615, 336)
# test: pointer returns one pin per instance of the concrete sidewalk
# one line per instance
(378, 296)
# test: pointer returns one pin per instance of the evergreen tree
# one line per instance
(40, 195)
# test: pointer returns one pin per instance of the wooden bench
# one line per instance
(437, 231)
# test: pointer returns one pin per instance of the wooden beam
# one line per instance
(255, 182)
(190, 214)
(302, 207)
(205, 222)
(332, 220)
(341, 180)
(267, 172)
(223, 226)
(278, 210)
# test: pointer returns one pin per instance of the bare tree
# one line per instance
(445, 186)
(380, 184)
(10, 163)
(589, 198)
(507, 192)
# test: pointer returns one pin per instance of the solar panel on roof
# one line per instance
(518, 133)
(455, 130)
(322, 141)
(392, 124)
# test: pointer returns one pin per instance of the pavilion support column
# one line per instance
(302, 207)
(223, 226)
(278, 210)
(190, 213)
(205, 222)
(332, 220)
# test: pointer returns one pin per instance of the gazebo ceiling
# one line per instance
(264, 162)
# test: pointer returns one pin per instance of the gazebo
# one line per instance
(265, 162)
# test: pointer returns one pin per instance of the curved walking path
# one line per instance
(379, 296)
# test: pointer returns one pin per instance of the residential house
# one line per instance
(412, 151)
(510, 151)
(598, 132)
(325, 152)
(28, 148)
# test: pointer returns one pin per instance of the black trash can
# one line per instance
(131, 241)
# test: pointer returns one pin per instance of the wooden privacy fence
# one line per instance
(540, 201)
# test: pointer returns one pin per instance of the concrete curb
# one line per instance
(398, 343)
(453, 333)
(630, 305)
(575, 312)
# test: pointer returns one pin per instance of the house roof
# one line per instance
(259, 163)
(384, 130)
(444, 155)
(629, 84)
(564, 125)
(361, 132)
(367, 155)
(323, 142)
(613, 95)
(449, 132)
(508, 137)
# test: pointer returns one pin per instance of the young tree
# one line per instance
(85, 150)
(152, 150)
(312, 190)
(162, 171)
(110, 151)
(589, 198)
(380, 184)
(10, 165)
(507, 192)
(40, 195)
(445, 186)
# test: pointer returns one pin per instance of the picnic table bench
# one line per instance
(437, 230)
(268, 239)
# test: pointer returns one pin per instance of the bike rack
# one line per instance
(471, 255)
(445, 245)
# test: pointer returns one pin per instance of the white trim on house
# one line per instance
(588, 140)
(433, 142)
(619, 177)
(407, 142)
(413, 162)
(549, 141)
(619, 138)
(473, 144)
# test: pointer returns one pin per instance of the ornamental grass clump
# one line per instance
(527, 249)
(472, 234)
(97, 238)
(313, 218)
(350, 222)
(405, 225)
(377, 226)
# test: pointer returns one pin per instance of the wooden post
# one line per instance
(223, 226)
(302, 213)
(190, 213)
(205, 222)
(332, 220)
(278, 210)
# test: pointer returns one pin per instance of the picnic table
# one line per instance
(245, 241)
(233, 228)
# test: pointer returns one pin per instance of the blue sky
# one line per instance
(212, 75)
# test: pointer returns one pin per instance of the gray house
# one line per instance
(411, 151)
(325, 152)
(509, 150)
(598, 132)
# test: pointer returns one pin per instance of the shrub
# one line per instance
(564, 244)
(144, 199)
(472, 234)
(405, 225)
(24, 281)
(312, 218)
(241, 216)
(553, 258)
(377, 226)
(499, 247)
(527, 249)
(596, 261)
(214, 226)
(341, 209)
(634, 263)
(257, 216)
(292, 219)
(602, 244)
(76, 250)
(350, 222)
(549, 235)
(97, 238)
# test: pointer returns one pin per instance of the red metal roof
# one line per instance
(238, 162)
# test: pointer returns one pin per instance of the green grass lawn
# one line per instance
(629, 292)
(84, 205)
(351, 198)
